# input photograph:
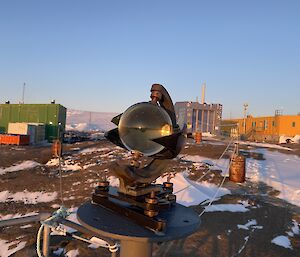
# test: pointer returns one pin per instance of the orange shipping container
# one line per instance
(14, 139)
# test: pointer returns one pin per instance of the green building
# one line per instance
(52, 115)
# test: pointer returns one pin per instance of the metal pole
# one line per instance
(202, 119)
(245, 113)
(135, 249)
(24, 220)
(214, 121)
(84, 230)
(197, 120)
(59, 163)
(203, 93)
(23, 93)
(90, 119)
(208, 122)
(46, 241)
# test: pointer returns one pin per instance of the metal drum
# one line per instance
(198, 137)
(237, 170)
(56, 148)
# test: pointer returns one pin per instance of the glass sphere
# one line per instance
(141, 123)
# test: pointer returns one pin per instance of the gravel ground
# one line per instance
(218, 234)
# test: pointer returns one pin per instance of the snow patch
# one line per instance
(200, 161)
(207, 134)
(26, 226)
(294, 230)
(25, 165)
(94, 149)
(250, 224)
(89, 165)
(283, 241)
(53, 162)
(80, 120)
(196, 159)
(17, 215)
(28, 197)
(286, 139)
(113, 181)
(226, 207)
(67, 165)
(265, 145)
(189, 192)
(278, 170)
(59, 251)
(72, 253)
(82, 127)
(8, 248)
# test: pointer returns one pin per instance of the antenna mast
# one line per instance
(245, 113)
(23, 93)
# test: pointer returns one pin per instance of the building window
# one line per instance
(265, 124)
(293, 124)
(273, 123)
(254, 124)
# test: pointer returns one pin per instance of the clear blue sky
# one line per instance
(104, 55)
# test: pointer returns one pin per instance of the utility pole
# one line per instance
(245, 113)
(90, 119)
(23, 93)
(203, 104)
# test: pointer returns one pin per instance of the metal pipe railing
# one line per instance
(24, 220)
(46, 233)
(84, 230)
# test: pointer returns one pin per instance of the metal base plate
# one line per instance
(140, 191)
(181, 222)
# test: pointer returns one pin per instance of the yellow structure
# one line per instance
(268, 128)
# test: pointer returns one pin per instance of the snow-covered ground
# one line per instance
(227, 207)
(86, 121)
(293, 140)
(281, 171)
(187, 192)
(28, 197)
(250, 224)
(8, 248)
(190, 193)
(25, 165)
(94, 149)
(66, 165)
(16, 215)
(283, 241)
(73, 253)
(278, 170)
(265, 145)
(83, 127)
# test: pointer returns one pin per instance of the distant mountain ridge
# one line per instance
(87, 121)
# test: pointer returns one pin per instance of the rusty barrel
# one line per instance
(198, 137)
(57, 148)
(237, 169)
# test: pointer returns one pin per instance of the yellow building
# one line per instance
(268, 128)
